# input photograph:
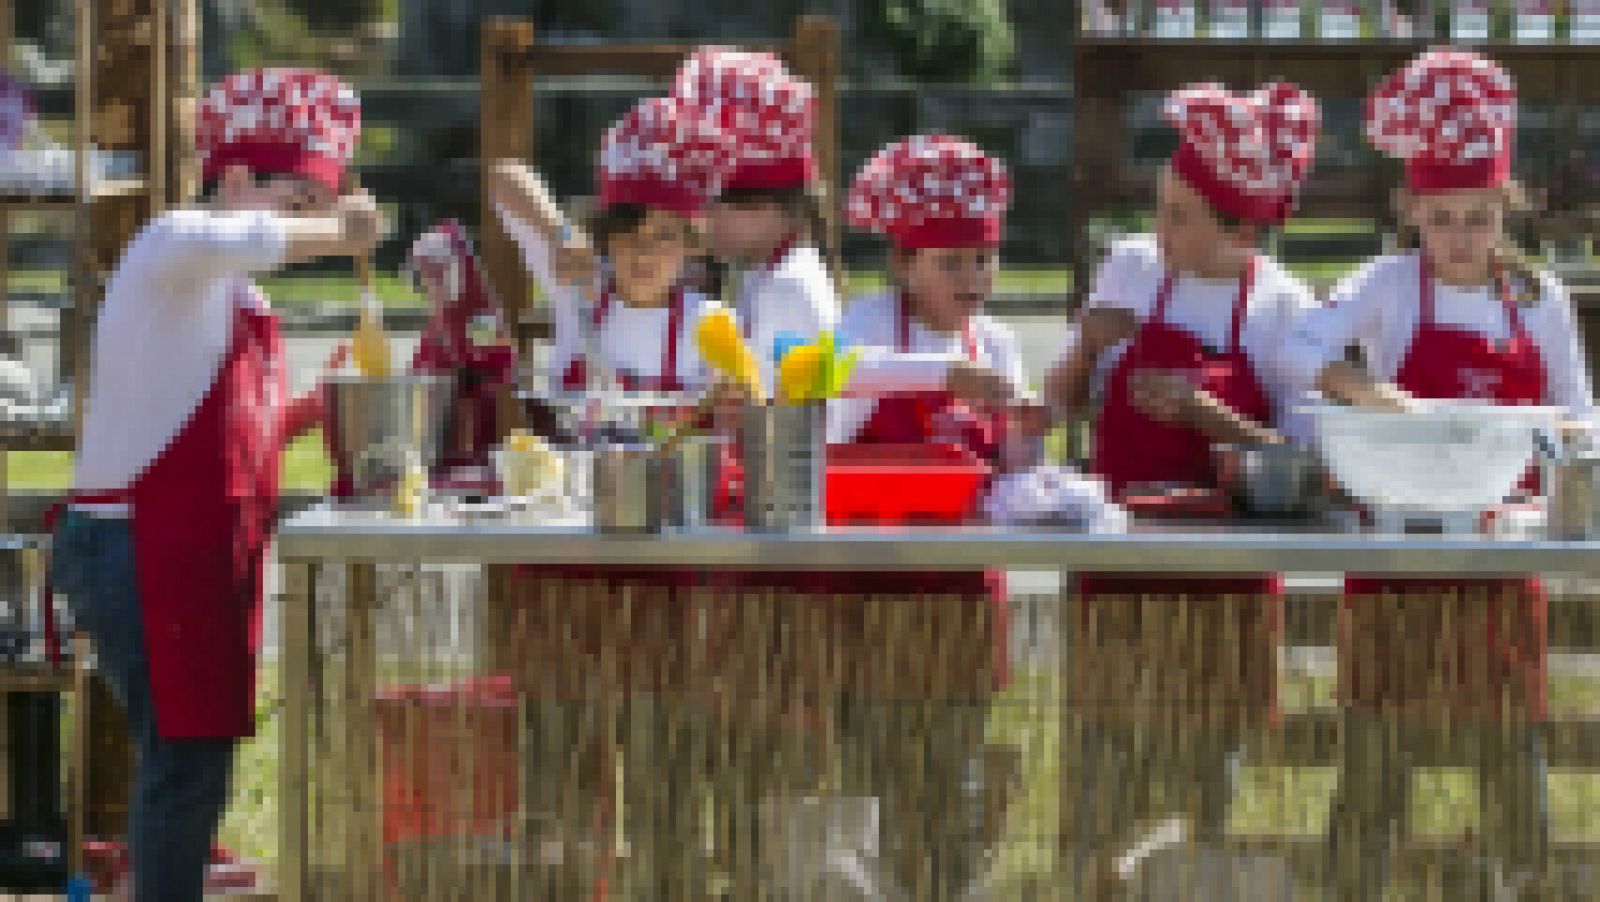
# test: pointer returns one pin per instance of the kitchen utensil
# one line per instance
(627, 488)
(369, 346)
(1269, 479)
(783, 450)
(724, 349)
(379, 425)
(1447, 456)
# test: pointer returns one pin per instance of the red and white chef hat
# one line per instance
(445, 256)
(932, 191)
(662, 155)
(1451, 116)
(1247, 154)
(16, 111)
(280, 122)
(768, 113)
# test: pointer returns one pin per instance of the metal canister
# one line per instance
(689, 476)
(783, 457)
(627, 488)
(1573, 511)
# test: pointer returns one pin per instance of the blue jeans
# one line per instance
(181, 786)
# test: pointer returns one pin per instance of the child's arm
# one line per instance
(1067, 385)
(1313, 355)
(198, 245)
(556, 250)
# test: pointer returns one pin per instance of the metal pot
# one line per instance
(379, 425)
(1269, 479)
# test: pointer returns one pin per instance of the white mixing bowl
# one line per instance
(1448, 456)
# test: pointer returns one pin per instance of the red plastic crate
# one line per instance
(899, 484)
(885, 484)
(434, 737)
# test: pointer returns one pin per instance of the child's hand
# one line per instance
(575, 261)
(1163, 395)
(977, 384)
(1100, 328)
(360, 222)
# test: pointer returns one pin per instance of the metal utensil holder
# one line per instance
(627, 489)
(1572, 488)
(783, 457)
(689, 477)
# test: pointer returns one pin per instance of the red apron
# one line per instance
(1212, 651)
(947, 631)
(1485, 649)
(202, 514)
(635, 620)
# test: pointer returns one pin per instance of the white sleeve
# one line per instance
(787, 306)
(1321, 333)
(567, 330)
(198, 246)
(1007, 360)
(536, 256)
(1121, 278)
(1566, 366)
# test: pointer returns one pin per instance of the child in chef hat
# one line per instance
(765, 226)
(622, 310)
(1181, 337)
(935, 370)
(1458, 314)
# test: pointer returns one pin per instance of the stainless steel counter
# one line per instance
(327, 533)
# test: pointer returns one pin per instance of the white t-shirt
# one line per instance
(870, 325)
(1132, 273)
(796, 296)
(1377, 308)
(162, 332)
(631, 339)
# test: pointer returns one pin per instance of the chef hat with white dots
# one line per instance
(1247, 154)
(768, 113)
(661, 155)
(1451, 116)
(932, 191)
(280, 122)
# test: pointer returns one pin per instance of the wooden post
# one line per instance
(294, 783)
(183, 92)
(816, 59)
(505, 133)
(361, 731)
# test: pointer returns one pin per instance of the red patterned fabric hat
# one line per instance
(280, 122)
(1451, 116)
(768, 113)
(1247, 154)
(662, 156)
(932, 191)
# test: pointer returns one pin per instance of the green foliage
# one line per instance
(945, 40)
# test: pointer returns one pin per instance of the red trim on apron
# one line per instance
(1130, 448)
(576, 376)
(202, 515)
(937, 416)
(1445, 362)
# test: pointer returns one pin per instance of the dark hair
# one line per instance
(1260, 230)
(618, 219)
(805, 203)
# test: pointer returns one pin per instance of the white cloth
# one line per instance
(1377, 309)
(870, 326)
(1053, 495)
(632, 339)
(795, 296)
(1132, 273)
(162, 333)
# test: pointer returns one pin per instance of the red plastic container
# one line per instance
(902, 484)
(434, 737)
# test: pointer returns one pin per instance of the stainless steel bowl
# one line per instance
(1269, 479)
(378, 425)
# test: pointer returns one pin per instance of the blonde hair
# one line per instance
(1523, 275)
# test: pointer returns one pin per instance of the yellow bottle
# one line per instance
(369, 346)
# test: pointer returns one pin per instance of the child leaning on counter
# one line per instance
(621, 309)
(1457, 315)
(932, 369)
(1183, 332)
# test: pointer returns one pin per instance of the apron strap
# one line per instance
(1241, 303)
(52, 640)
(1514, 325)
(667, 379)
